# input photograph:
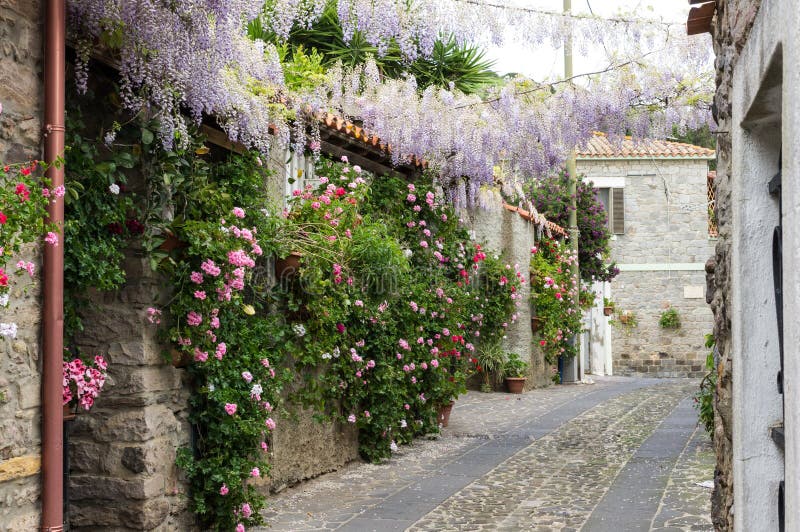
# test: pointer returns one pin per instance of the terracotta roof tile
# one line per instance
(525, 215)
(345, 127)
(600, 147)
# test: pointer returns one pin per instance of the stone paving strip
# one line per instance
(330, 501)
(458, 481)
(685, 503)
(555, 483)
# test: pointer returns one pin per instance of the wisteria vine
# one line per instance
(196, 56)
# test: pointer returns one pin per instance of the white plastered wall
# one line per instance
(765, 117)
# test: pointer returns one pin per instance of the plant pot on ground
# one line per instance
(515, 372)
(491, 360)
(444, 414)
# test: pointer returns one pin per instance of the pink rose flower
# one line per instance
(230, 408)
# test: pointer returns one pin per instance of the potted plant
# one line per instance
(670, 319)
(608, 306)
(515, 372)
(491, 361)
(84, 378)
(288, 266)
(536, 324)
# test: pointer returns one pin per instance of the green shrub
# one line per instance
(670, 319)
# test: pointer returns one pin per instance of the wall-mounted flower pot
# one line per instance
(171, 242)
(515, 384)
(608, 311)
(536, 324)
(69, 413)
(625, 318)
(288, 267)
(179, 359)
(444, 413)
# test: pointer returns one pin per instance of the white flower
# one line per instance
(4, 300)
(8, 329)
(408, 253)
(114, 188)
(393, 446)
(256, 390)
(211, 387)
(403, 424)
(326, 356)
(298, 329)
(336, 352)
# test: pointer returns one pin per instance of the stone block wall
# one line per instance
(21, 95)
(647, 349)
(661, 255)
(122, 453)
(731, 27)
(508, 233)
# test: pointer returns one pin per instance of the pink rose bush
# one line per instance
(552, 295)
(389, 299)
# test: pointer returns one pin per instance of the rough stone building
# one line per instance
(21, 96)
(753, 276)
(656, 196)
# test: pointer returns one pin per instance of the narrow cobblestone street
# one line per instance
(621, 454)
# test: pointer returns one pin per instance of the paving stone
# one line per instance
(543, 460)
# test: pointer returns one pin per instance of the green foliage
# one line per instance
(491, 362)
(303, 70)
(550, 196)
(670, 319)
(515, 366)
(704, 399)
(391, 293)
(451, 62)
(101, 217)
(23, 202)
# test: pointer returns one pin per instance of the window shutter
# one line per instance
(618, 210)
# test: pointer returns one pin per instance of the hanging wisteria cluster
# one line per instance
(196, 56)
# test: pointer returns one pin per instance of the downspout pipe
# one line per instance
(53, 309)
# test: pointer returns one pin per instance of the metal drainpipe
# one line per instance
(53, 311)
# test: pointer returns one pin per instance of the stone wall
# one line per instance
(508, 233)
(661, 256)
(122, 453)
(732, 25)
(647, 348)
(21, 95)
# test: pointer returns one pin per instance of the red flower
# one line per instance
(22, 191)
(3, 218)
(3, 278)
(134, 226)
(340, 327)
(340, 192)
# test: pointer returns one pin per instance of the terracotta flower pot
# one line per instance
(444, 413)
(179, 359)
(288, 267)
(515, 384)
(536, 324)
(69, 414)
(608, 311)
(171, 242)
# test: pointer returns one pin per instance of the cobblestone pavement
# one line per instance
(621, 454)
